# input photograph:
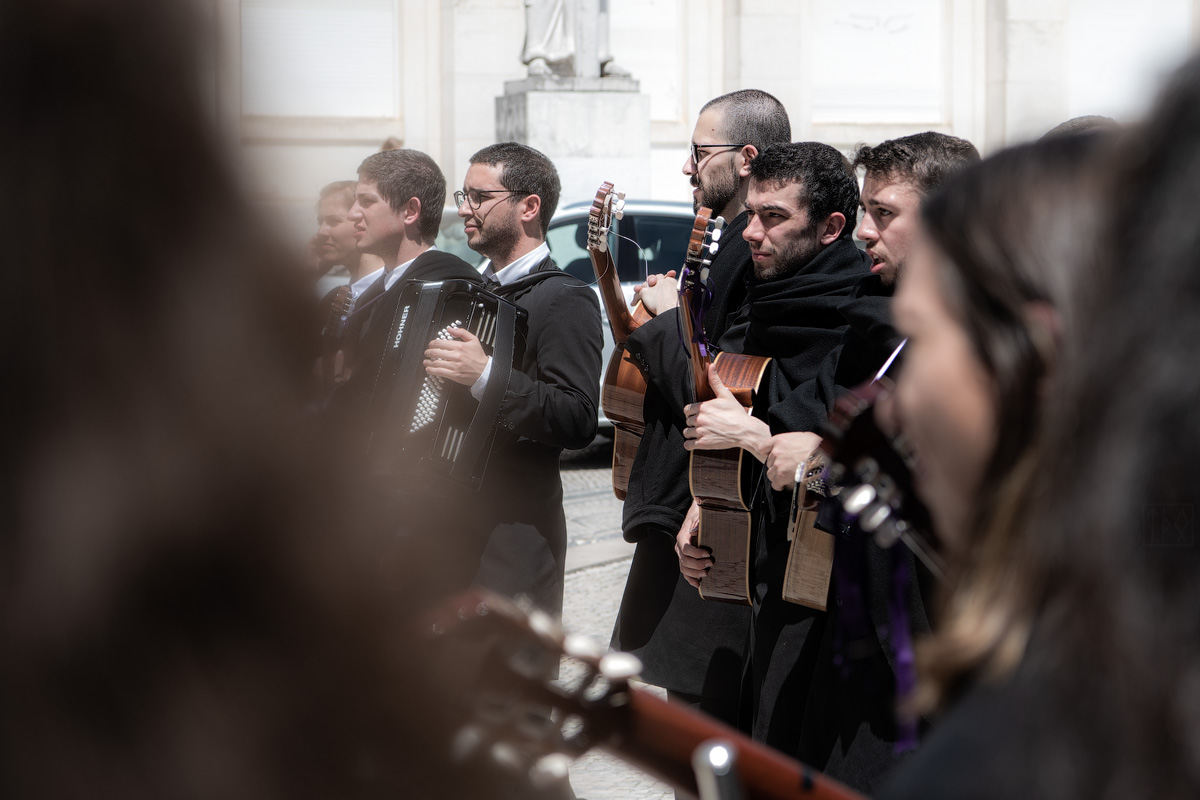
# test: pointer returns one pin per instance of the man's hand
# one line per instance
(332, 370)
(723, 422)
(658, 294)
(694, 563)
(460, 359)
(785, 452)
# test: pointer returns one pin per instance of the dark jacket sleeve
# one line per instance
(658, 350)
(554, 400)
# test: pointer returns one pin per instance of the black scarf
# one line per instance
(796, 320)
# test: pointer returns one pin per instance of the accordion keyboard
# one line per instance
(431, 390)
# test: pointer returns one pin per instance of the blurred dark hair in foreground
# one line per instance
(1115, 528)
(1091, 604)
(183, 611)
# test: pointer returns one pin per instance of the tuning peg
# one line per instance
(620, 666)
(619, 206)
(543, 624)
(550, 770)
(874, 517)
(466, 742)
(583, 647)
(508, 756)
(866, 469)
(718, 224)
(715, 765)
(858, 499)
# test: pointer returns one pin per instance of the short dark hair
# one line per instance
(827, 181)
(524, 171)
(1088, 123)
(926, 160)
(751, 116)
(344, 188)
(404, 174)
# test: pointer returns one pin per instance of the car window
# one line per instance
(568, 245)
(662, 242)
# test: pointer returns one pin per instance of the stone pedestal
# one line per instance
(593, 129)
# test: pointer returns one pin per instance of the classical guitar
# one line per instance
(624, 386)
(599, 708)
(717, 478)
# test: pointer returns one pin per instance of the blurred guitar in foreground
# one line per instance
(526, 720)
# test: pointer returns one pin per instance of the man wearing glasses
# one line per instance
(508, 196)
(692, 647)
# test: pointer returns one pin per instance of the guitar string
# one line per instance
(641, 257)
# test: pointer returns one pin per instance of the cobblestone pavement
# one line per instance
(597, 563)
(589, 608)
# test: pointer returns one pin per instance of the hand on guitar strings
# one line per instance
(785, 452)
(694, 562)
(460, 359)
(723, 422)
(658, 294)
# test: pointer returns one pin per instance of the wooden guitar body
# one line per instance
(719, 484)
(810, 561)
(621, 397)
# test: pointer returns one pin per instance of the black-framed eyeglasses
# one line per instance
(476, 197)
(696, 148)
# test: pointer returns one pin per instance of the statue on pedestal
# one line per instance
(568, 38)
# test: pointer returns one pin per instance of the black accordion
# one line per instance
(427, 430)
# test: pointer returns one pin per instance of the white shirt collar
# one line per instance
(395, 275)
(360, 285)
(521, 267)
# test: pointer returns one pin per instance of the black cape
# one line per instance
(686, 644)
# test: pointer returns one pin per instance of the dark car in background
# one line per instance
(651, 237)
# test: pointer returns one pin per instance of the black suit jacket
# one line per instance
(550, 405)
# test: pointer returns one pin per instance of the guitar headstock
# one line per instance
(519, 685)
(703, 244)
(529, 722)
(608, 205)
(873, 470)
(341, 302)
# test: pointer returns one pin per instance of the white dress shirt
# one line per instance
(513, 272)
(360, 285)
(395, 275)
